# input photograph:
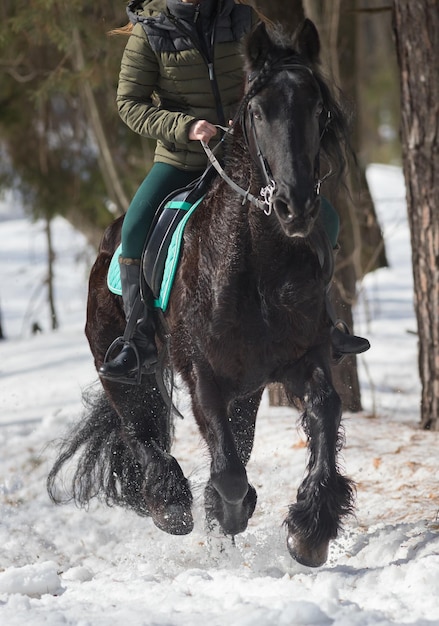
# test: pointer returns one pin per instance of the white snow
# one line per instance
(107, 566)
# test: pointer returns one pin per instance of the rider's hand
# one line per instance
(202, 130)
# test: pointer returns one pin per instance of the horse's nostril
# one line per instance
(284, 212)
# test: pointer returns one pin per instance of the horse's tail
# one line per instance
(106, 467)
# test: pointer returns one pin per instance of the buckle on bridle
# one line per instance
(267, 194)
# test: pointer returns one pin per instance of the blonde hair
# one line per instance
(122, 30)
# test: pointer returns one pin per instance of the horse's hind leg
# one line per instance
(159, 485)
(130, 463)
(324, 496)
(120, 449)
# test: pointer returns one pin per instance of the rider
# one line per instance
(181, 76)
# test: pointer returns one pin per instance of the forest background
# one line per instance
(64, 150)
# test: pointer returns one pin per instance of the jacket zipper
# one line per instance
(209, 63)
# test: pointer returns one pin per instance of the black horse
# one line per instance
(247, 309)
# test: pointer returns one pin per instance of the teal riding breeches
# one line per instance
(330, 220)
(161, 180)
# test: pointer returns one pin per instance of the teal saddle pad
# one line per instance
(113, 275)
(164, 247)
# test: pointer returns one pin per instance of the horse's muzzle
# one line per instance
(297, 219)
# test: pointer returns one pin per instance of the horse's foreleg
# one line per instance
(242, 418)
(228, 497)
(324, 496)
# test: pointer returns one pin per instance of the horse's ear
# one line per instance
(307, 41)
(257, 46)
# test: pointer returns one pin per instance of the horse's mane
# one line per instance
(335, 142)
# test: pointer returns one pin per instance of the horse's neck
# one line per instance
(245, 239)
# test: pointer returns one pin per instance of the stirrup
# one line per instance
(136, 377)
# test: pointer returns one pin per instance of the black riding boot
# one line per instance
(342, 341)
(139, 349)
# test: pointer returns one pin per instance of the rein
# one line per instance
(246, 195)
(266, 200)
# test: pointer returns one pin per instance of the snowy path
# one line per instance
(61, 565)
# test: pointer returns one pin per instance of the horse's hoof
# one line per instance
(314, 556)
(174, 520)
(235, 519)
(232, 517)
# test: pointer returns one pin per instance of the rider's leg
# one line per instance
(342, 341)
(330, 221)
(139, 346)
(161, 180)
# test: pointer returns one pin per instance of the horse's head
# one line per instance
(287, 111)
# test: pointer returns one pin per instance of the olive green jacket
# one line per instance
(164, 84)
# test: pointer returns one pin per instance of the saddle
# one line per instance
(162, 248)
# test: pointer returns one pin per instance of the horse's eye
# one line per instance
(257, 113)
(319, 109)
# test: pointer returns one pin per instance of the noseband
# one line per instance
(267, 193)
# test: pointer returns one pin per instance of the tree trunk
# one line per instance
(50, 276)
(337, 26)
(106, 163)
(416, 28)
(43, 159)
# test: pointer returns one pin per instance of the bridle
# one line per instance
(267, 193)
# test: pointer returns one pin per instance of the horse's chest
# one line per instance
(263, 326)
(249, 321)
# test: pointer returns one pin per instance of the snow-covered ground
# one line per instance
(62, 565)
